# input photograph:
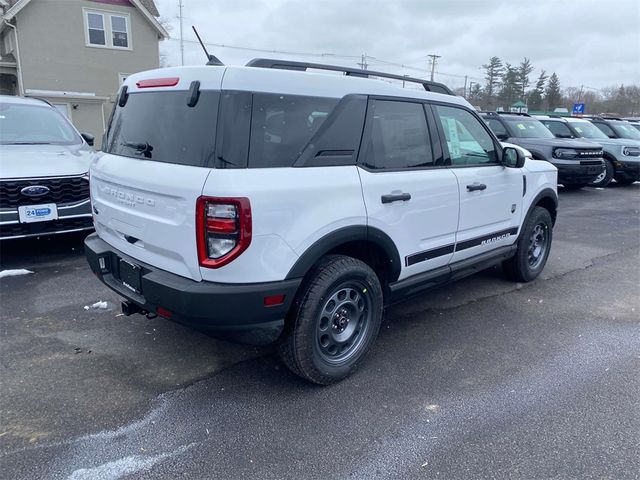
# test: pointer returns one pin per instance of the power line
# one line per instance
(364, 58)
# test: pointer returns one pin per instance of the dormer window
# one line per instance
(107, 29)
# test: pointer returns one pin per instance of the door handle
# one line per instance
(476, 186)
(395, 197)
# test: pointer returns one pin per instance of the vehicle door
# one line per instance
(490, 193)
(408, 191)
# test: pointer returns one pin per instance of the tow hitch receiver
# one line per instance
(129, 308)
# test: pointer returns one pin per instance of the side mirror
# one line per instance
(502, 137)
(512, 157)
(563, 135)
(90, 139)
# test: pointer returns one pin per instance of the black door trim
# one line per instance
(448, 249)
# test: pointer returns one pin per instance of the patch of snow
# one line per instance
(97, 306)
(123, 466)
(14, 273)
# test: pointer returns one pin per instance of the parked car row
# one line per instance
(586, 150)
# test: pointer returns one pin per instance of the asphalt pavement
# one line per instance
(481, 379)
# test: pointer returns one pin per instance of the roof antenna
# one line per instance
(212, 59)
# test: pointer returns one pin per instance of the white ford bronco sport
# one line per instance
(270, 203)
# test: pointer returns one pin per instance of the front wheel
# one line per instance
(533, 247)
(605, 176)
(334, 320)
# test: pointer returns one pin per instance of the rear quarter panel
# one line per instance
(291, 209)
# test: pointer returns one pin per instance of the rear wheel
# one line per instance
(533, 247)
(605, 177)
(334, 320)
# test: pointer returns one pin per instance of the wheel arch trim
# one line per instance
(343, 236)
(545, 193)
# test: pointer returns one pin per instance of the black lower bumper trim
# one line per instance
(578, 174)
(234, 311)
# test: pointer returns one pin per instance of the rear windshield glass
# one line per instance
(281, 126)
(161, 127)
(34, 125)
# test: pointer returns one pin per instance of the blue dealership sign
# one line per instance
(578, 109)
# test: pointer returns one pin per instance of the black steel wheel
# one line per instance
(334, 320)
(533, 247)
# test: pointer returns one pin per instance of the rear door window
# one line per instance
(282, 125)
(161, 127)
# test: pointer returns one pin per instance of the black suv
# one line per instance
(615, 127)
(579, 162)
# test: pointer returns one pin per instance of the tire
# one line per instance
(334, 320)
(575, 186)
(605, 177)
(625, 180)
(534, 245)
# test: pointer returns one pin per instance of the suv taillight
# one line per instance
(223, 229)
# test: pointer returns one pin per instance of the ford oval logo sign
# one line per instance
(35, 191)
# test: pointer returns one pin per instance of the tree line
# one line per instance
(506, 83)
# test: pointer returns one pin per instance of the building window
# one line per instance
(107, 30)
(122, 77)
(119, 33)
(95, 23)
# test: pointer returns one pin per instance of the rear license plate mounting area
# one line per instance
(130, 275)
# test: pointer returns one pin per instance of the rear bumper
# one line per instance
(574, 173)
(234, 311)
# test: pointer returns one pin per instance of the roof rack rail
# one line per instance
(353, 72)
(522, 114)
(603, 117)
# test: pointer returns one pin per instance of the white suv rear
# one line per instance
(276, 204)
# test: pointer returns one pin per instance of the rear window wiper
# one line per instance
(27, 143)
(141, 148)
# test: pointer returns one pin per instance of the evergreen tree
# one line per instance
(493, 72)
(475, 93)
(535, 96)
(524, 70)
(553, 96)
(510, 88)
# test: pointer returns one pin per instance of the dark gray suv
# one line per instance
(579, 162)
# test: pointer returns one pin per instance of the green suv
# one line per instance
(621, 154)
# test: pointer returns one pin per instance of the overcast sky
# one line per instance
(594, 43)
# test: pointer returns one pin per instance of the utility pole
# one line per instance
(181, 35)
(580, 94)
(465, 87)
(363, 62)
(434, 60)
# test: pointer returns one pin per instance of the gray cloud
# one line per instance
(590, 42)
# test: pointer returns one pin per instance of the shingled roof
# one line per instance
(148, 4)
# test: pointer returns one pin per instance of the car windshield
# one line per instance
(529, 128)
(587, 130)
(22, 124)
(625, 130)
